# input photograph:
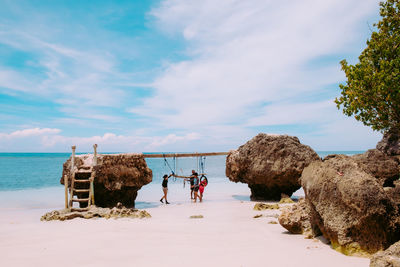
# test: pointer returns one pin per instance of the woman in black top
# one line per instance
(191, 179)
(165, 188)
(196, 186)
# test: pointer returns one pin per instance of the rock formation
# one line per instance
(296, 218)
(390, 143)
(387, 258)
(117, 178)
(349, 204)
(95, 212)
(381, 166)
(270, 165)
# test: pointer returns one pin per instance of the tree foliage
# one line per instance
(372, 89)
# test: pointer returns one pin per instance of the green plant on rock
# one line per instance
(372, 90)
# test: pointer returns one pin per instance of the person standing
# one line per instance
(196, 187)
(165, 188)
(191, 179)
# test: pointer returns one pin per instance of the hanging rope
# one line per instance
(203, 178)
(202, 164)
(174, 168)
(167, 164)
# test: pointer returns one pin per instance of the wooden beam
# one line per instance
(183, 155)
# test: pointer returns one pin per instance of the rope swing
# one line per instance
(201, 165)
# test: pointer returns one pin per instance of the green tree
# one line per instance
(372, 89)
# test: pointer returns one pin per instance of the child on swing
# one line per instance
(203, 184)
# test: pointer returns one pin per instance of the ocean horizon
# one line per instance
(30, 170)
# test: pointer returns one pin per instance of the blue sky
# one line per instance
(177, 75)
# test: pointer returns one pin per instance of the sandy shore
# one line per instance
(228, 235)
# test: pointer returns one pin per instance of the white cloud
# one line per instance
(248, 64)
(295, 113)
(30, 132)
(72, 76)
(247, 54)
(14, 80)
(52, 140)
(342, 133)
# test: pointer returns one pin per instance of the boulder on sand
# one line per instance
(349, 205)
(117, 177)
(387, 258)
(296, 218)
(270, 165)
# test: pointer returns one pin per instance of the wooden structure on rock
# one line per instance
(115, 178)
(81, 184)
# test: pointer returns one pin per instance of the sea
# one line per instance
(29, 180)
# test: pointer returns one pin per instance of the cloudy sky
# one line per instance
(177, 75)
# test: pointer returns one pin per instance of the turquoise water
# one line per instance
(20, 171)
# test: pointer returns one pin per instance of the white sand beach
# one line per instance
(228, 235)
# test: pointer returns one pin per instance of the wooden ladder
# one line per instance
(80, 186)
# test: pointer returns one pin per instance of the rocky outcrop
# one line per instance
(387, 258)
(390, 143)
(296, 218)
(95, 212)
(270, 165)
(349, 205)
(117, 178)
(384, 168)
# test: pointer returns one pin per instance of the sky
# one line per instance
(177, 75)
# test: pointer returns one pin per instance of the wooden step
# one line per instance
(80, 199)
(81, 190)
(84, 171)
(82, 181)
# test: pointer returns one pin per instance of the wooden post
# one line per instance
(73, 159)
(66, 190)
(71, 189)
(95, 155)
(91, 195)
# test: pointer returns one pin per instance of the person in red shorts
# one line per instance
(203, 184)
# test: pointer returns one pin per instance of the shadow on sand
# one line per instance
(241, 197)
(146, 205)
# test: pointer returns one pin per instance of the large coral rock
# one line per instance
(390, 143)
(117, 178)
(387, 258)
(270, 165)
(349, 205)
(296, 218)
